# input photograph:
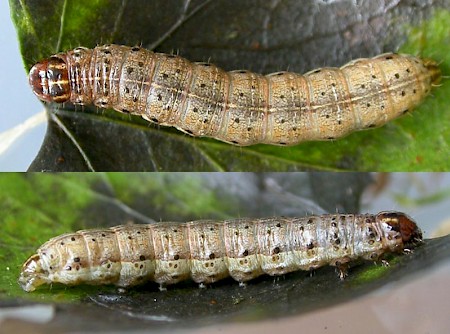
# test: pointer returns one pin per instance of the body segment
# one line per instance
(207, 251)
(237, 107)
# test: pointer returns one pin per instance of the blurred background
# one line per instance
(19, 103)
(36, 207)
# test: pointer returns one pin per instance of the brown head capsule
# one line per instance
(50, 80)
(400, 226)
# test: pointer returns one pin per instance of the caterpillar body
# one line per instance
(207, 251)
(238, 107)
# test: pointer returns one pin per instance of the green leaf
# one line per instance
(36, 207)
(294, 35)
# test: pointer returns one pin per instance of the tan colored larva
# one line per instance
(207, 251)
(237, 107)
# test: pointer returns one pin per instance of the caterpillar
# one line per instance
(237, 107)
(207, 251)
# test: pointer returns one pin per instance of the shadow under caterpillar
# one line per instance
(207, 251)
(237, 107)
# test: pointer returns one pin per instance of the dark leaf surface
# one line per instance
(36, 207)
(257, 35)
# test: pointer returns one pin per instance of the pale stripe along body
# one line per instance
(207, 251)
(238, 107)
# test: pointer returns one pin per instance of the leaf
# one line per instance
(292, 35)
(36, 207)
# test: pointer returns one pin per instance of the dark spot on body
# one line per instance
(140, 64)
(241, 94)
(368, 105)
(202, 85)
(403, 93)
(236, 120)
(93, 239)
(165, 75)
(130, 70)
(397, 75)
